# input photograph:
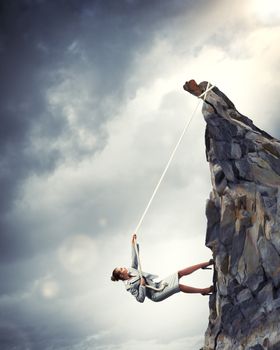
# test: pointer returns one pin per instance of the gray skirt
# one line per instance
(172, 288)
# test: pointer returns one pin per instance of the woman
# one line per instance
(137, 286)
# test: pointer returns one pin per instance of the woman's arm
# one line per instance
(134, 261)
(140, 292)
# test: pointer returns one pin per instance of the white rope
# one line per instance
(206, 91)
(164, 284)
(172, 155)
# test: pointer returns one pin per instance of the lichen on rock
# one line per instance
(243, 227)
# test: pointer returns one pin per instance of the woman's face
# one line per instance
(123, 273)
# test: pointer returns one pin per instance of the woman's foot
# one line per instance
(208, 291)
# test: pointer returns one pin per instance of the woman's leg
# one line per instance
(191, 269)
(188, 289)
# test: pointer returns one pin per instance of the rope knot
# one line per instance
(204, 94)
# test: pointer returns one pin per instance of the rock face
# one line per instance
(243, 229)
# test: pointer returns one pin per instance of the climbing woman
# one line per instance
(145, 286)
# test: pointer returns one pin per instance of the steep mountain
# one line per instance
(243, 229)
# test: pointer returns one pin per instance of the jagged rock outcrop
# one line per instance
(243, 229)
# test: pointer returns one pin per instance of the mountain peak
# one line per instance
(243, 227)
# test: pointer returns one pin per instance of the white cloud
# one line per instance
(78, 254)
(187, 343)
(267, 12)
(49, 288)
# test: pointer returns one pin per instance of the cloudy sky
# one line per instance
(91, 106)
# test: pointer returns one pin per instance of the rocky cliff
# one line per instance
(243, 229)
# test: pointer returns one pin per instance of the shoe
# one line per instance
(210, 262)
(208, 293)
